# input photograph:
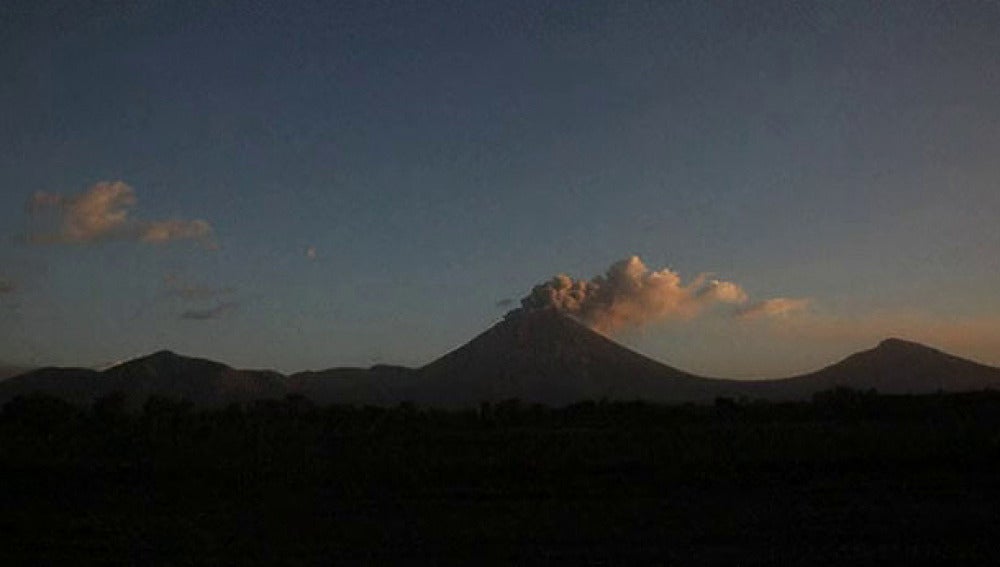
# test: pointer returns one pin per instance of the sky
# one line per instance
(304, 185)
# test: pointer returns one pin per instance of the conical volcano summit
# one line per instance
(541, 355)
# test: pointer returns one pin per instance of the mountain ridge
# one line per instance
(163, 373)
(537, 356)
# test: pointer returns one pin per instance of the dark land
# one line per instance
(848, 477)
(534, 356)
(538, 441)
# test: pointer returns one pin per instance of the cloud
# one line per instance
(724, 292)
(311, 253)
(779, 307)
(176, 287)
(629, 295)
(218, 312)
(164, 231)
(101, 213)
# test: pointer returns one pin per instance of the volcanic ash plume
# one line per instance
(630, 295)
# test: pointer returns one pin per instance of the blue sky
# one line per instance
(443, 156)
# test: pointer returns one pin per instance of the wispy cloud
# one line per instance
(218, 312)
(101, 213)
(779, 307)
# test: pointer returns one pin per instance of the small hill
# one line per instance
(895, 366)
(203, 382)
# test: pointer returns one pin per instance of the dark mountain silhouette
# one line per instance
(536, 356)
(543, 356)
(895, 366)
(202, 382)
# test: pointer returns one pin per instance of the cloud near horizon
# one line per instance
(780, 307)
(218, 312)
(101, 213)
(630, 295)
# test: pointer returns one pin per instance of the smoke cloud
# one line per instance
(630, 295)
(777, 307)
(102, 213)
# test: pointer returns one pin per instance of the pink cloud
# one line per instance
(101, 213)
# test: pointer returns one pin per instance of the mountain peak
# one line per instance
(543, 355)
(895, 344)
(202, 381)
(898, 366)
(534, 313)
(163, 355)
(165, 361)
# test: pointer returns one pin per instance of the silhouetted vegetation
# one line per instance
(848, 476)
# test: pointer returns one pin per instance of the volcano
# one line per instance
(542, 356)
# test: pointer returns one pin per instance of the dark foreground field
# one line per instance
(845, 479)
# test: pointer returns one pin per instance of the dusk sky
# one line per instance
(308, 185)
